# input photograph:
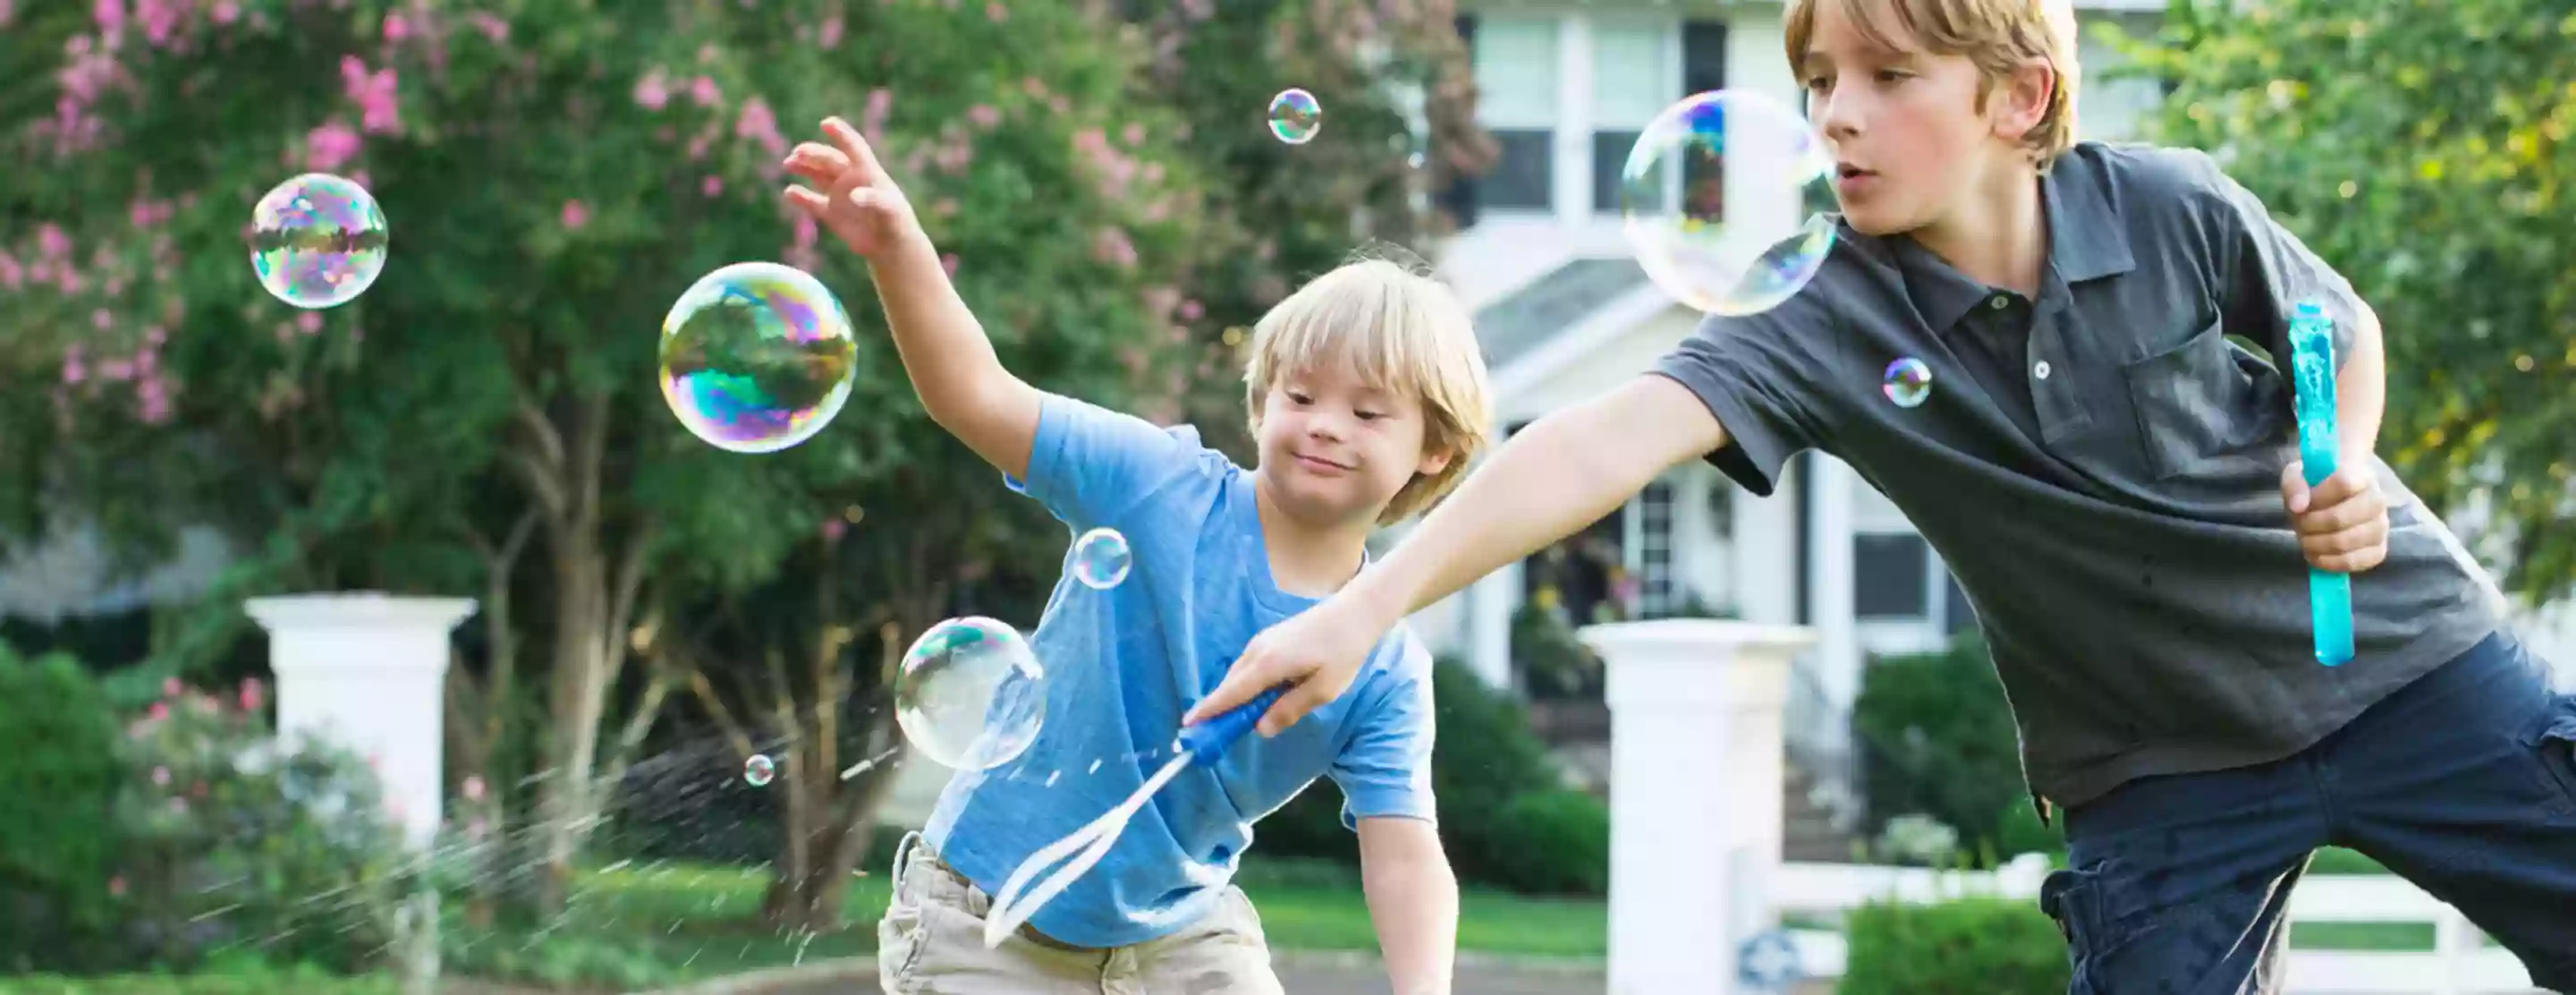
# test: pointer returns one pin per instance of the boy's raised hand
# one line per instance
(857, 200)
(2343, 522)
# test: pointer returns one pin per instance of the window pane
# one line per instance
(1523, 173)
(1888, 575)
(1632, 77)
(1962, 615)
(1516, 72)
(1609, 158)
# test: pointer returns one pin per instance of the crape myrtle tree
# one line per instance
(486, 418)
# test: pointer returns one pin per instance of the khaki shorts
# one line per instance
(932, 941)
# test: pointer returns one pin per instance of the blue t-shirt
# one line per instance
(1123, 664)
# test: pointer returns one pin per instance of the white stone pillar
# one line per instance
(368, 672)
(1695, 795)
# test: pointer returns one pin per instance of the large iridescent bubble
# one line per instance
(757, 357)
(317, 241)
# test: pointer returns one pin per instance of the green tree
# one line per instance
(485, 418)
(2419, 146)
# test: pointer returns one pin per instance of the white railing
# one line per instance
(2460, 962)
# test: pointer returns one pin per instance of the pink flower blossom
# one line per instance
(330, 146)
(872, 118)
(396, 29)
(834, 529)
(491, 25)
(652, 93)
(51, 241)
(170, 687)
(993, 11)
(984, 115)
(309, 323)
(832, 28)
(116, 886)
(161, 775)
(948, 262)
(253, 693)
(11, 274)
(379, 112)
(703, 90)
(110, 15)
(712, 185)
(227, 11)
(178, 805)
(473, 788)
(160, 19)
(759, 124)
(575, 215)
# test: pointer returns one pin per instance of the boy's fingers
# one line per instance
(2336, 489)
(819, 163)
(2294, 487)
(813, 203)
(1288, 709)
(847, 139)
(1234, 690)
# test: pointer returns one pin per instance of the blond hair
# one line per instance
(1998, 35)
(1400, 330)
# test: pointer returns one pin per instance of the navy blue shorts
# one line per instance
(2462, 782)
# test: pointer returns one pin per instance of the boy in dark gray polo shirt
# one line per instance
(2114, 483)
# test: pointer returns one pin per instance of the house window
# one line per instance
(1516, 84)
(1891, 576)
(1633, 79)
(1652, 545)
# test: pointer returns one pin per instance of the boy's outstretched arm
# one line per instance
(960, 380)
(1559, 474)
(1413, 901)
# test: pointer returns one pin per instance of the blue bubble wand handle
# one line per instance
(2312, 370)
(1201, 744)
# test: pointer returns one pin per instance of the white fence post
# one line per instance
(1695, 782)
(367, 672)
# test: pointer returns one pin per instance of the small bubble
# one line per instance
(759, 770)
(1907, 381)
(1295, 117)
(1101, 559)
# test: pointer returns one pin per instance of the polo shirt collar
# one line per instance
(2086, 241)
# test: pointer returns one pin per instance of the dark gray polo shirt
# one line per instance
(2101, 468)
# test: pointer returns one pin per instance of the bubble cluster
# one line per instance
(1908, 382)
(970, 694)
(1101, 559)
(1726, 199)
(757, 357)
(759, 770)
(317, 241)
(1295, 117)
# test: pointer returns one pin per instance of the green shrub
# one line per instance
(236, 843)
(245, 981)
(1937, 738)
(57, 796)
(1505, 817)
(1965, 946)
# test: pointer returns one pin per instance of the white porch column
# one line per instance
(1695, 795)
(367, 671)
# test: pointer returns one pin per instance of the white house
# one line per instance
(1565, 313)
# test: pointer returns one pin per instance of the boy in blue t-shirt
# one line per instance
(1367, 395)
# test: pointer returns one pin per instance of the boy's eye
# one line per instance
(1818, 83)
(1297, 398)
(1369, 415)
(1892, 75)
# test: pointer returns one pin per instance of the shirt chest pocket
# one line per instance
(2206, 406)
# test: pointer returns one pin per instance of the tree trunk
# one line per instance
(566, 799)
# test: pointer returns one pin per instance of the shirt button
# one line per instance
(1999, 302)
(2040, 371)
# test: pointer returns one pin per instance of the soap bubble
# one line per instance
(1295, 116)
(1908, 382)
(1101, 558)
(757, 357)
(1726, 198)
(317, 241)
(969, 694)
(758, 770)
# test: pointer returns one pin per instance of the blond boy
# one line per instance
(2114, 482)
(1367, 397)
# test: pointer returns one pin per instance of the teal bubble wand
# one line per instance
(2312, 369)
(1074, 855)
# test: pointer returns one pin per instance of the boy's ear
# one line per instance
(1433, 462)
(2023, 99)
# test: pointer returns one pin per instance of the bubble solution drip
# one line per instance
(2312, 370)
